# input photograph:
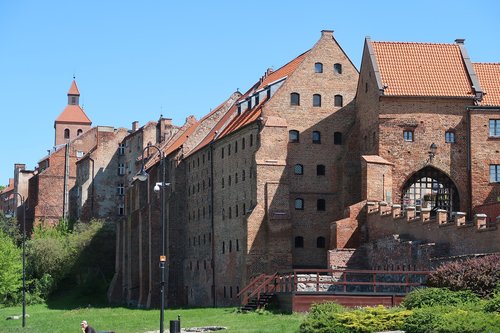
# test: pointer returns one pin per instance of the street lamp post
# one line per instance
(24, 255)
(142, 175)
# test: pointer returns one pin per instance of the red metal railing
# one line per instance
(262, 284)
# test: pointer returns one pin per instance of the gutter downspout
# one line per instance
(92, 191)
(212, 226)
(66, 180)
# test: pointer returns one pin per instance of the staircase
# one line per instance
(258, 293)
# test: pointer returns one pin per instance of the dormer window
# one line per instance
(318, 67)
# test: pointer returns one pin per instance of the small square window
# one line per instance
(408, 135)
(449, 137)
(318, 67)
(298, 169)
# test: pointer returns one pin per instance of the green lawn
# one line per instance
(123, 320)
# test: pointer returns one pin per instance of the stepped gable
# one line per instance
(489, 78)
(422, 69)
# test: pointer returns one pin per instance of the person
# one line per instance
(86, 328)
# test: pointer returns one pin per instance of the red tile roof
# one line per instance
(489, 79)
(73, 114)
(73, 90)
(282, 72)
(422, 69)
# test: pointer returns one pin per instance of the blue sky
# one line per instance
(135, 60)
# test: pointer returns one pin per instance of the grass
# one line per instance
(65, 314)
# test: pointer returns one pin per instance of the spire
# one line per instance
(73, 94)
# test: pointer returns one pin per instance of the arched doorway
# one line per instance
(431, 188)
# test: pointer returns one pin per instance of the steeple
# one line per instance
(73, 94)
(73, 121)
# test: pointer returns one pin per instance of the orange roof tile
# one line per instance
(422, 69)
(73, 90)
(73, 114)
(489, 79)
(283, 71)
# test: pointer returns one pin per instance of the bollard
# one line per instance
(175, 325)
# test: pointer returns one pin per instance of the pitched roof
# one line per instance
(73, 90)
(282, 72)
(422, 69)
(489, 79)
(73, 114)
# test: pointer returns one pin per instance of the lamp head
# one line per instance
(433, 148)
(141, 175)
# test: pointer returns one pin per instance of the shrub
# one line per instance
(444, 319)
(10, 269)
(480, 275)
(438, 296)
(493, 304)
(323, 318)
(373, 319)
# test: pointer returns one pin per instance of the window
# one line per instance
(251, 140)
(494, 173)
(121, 209)
(495, 127)
(449, 137)
(298, 169)
(121, 149)
(243, 143)
(320, 205)
(235, 147)
(293, 136)
(237, 245)
(121, 169)
(229, 150)
(299, 204)
(337, 68)
(294, 99)
(299, 242)
(320, 242)
(408, 135)
(222, 152)
(222, 182)
(224, 251)
(73, 100)
(120, 189)
(236, 178)
(316, 137)
(66, 133)
(320, 170)
(79, 153)
(337, 138)
(338, 100)
(318, 67)
(243, 175)
(316, 100)
(229, 180)
(80, 131)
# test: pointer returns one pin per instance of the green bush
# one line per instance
(323, 318)
(374, 319)
(480, 275)
(10, 269)
(493, 304)
(426, 297)
(445, 319)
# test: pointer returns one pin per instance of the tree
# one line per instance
(10, 268)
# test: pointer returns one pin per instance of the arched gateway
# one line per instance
(431, 188)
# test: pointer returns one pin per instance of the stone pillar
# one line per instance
(442, 216)
(425, 215)
(480, 221)
(396, 211)
(410, 213)
(460, 219)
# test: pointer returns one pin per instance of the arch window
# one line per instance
(337, 138)
(318, 67)
(293, 136)
(298, 169)
(320, 170)
(321, 205)
(294, 99)
(337, 68)
(317, 100)
(80, 131)
(299, 242)
(320, 242)
(299, 204)
(66, 133)
(338, 100)
(316, 137)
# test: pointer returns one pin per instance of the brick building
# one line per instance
(251, 188)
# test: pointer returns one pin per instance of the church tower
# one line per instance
(72, 121)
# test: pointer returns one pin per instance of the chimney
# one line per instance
(166, 122)
(135, 126)
(327, 33)
(460, 40)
